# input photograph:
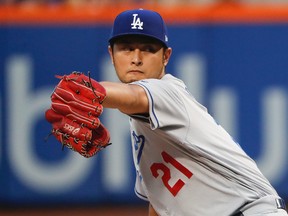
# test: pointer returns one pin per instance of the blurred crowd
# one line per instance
(104, 2)
(79, 2)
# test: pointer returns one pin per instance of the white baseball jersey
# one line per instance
(186, 163)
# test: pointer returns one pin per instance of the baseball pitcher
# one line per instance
(186, 164)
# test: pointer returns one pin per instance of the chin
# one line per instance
(131, 79)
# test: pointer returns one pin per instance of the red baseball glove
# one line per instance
(75, 108)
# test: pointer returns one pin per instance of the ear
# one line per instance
(166, 56)
(110, 50)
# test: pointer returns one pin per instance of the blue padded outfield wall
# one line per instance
(239, 71)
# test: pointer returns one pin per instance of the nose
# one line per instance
(137, 58)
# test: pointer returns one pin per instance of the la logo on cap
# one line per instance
(136, 24)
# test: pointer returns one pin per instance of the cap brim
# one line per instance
(116, 37)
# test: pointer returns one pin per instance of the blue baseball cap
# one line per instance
(140, 22)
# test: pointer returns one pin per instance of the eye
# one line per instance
(149, 48)
(125, 47)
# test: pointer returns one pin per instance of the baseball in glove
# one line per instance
(75, 108)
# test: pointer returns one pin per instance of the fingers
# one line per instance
(78, 116)
(83, 85)
(76, 101)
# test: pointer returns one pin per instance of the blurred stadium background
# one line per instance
(231, 53)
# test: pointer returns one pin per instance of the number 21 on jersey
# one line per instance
(168, 159)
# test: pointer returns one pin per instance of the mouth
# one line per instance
(135, 71)
(134, 75)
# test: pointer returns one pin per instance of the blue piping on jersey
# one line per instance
(140, 195)
(152, 103)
